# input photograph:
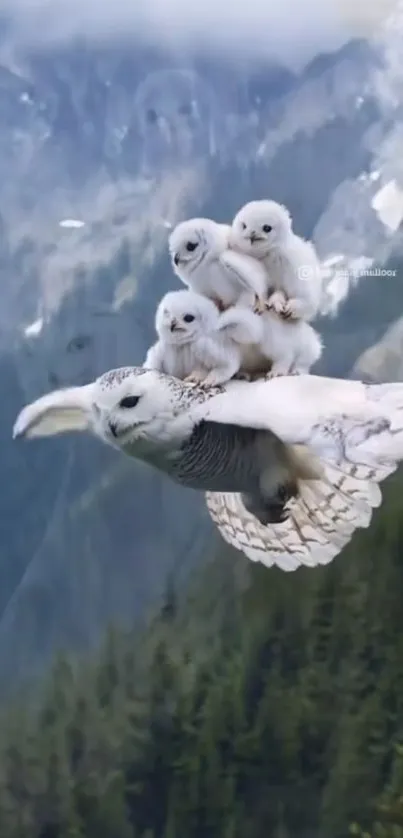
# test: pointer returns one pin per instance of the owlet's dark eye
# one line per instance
(267, 228)
(129, 401)
(191, 246)
(188, 318)
(243, 225)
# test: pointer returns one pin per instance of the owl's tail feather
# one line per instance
(322, 519)
(334, 498)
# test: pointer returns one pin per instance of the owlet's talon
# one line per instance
(275, 373)
(196, 377)
(260, 306)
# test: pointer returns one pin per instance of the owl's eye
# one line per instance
(191, 246)
(129, 401)
(267, 228)
(188, 318)
(243, 225)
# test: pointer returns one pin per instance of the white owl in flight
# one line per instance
(196, 341)
(263, 230)
(202, 259)
(291, 466)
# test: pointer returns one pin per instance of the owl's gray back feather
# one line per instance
(230, 458)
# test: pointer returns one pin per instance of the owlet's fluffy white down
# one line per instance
(263, 230)
(202, 259)
(198, 343)
(292, 346)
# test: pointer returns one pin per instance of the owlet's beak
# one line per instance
(59, 412)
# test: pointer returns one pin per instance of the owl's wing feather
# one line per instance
(240, 325)
(326, 414)
(58, 412)
(356, 432)
(248, 273)
(322, 521)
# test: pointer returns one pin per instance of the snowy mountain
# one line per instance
(101, 151)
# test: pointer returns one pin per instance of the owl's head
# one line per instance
(126, 406)
(183, 316)
(195, 241)
(259, 226)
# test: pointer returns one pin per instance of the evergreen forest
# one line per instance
(254, 704)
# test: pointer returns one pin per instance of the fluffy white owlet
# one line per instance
(263, 229)
(292, 346)
(202, 259)
(196, 342)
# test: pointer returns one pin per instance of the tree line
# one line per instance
(255, 703)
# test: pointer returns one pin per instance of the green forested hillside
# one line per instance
(264, 704)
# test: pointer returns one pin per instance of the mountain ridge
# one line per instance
(129, 148)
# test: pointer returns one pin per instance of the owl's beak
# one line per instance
(253, 238)
(176, 259)
(174, 326)
(113, 429)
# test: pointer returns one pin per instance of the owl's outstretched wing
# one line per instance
(61, 411)
(322, 519)
(356, 434)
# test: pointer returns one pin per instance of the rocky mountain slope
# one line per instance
(101, 151)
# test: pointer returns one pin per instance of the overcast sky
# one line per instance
(287, 30)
